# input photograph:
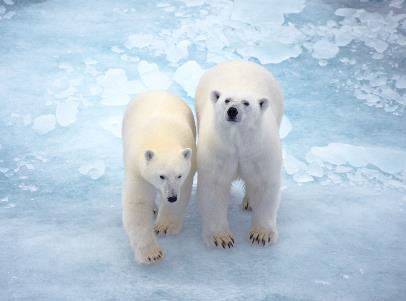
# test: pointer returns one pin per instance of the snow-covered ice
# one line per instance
(69, 68)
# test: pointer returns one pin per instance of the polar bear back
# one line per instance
(240, 76)
(159, 121)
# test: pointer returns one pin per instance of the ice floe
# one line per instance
(117, 89)
(273, 11)
(271, 52)
(339, 163)
(93, 170)
(388, 160)
(188, 75)
(66, 113)
(286, 127)
(324, 49)
(151, 77)
(44, 124)
(113, 125)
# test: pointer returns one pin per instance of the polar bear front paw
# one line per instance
(246, 204)
(223, 240)
(263, 236)
(167, 228)
(148, 254)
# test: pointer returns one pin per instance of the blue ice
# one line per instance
(67, 70)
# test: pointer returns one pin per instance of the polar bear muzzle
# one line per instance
(232, 114)
(172, 199)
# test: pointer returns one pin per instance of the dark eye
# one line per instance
(162, 177)
(246, 103)
(180, 176)
(227, 100)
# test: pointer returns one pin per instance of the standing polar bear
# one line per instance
(159, 156)
(239, 107)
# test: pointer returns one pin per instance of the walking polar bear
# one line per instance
(239, 107)
(159, 157)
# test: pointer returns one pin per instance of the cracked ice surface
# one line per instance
(63, 90)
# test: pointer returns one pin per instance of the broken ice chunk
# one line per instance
(141, 40)
(117, 49)
(379, 45)
(388, 160)
(188, 76)
(151, 77)
(271, 52)
(302, 177)
(291, 164)
(315, 170)
(113, 125)
(191, 3)
(94, 170)
(324, 49)
(117, 88)
(66, 113)
(29, 187)
(285, 128)
(44, 124)
(401, 82)
(178, 51)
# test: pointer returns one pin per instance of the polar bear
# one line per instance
(159, 157)
(239, 106)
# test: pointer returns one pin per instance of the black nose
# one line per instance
(172, 199)
(232, 112)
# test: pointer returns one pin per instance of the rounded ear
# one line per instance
(263, 104)
(149, 154)
(214, 96)
(187, 153)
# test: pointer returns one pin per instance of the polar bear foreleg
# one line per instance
(265, 201)
(213, 199)
(138, 204)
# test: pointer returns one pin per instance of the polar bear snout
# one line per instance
(172, 199)
(232, 115)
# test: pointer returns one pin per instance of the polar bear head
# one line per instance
(167, 171)
(238, 108)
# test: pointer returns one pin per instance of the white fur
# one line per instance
(158, 140)
(249, 149)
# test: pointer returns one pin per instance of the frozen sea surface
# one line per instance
(67, 70)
